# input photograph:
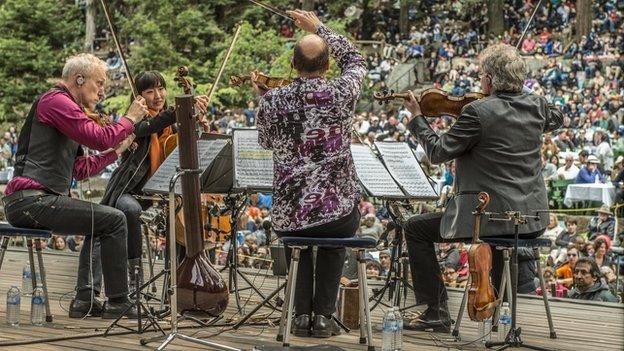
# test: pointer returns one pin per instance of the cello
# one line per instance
(481, 299)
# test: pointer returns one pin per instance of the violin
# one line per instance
(101, 119)
(264, 82)
(481, 299)
(433, 102)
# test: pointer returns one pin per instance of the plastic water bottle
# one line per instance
(13, 306)
(597, 180)
(26, 279)
(391, 326)
(398, 335)
(504, 322)
(36, 307)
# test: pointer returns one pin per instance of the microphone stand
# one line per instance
(513, 338)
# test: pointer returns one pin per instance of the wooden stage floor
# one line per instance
(579, 326)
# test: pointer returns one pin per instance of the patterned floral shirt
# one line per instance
(307, 124)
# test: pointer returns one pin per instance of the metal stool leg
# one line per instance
(507, 273)
(361, 279)
(551, 327)
(460, 314)
(294, 266)
(363, 290)
(3, 247)
(44, 283)
(31, 257)
(280, 332)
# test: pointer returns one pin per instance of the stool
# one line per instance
(507, 245)
(300, 243)
(7, 231)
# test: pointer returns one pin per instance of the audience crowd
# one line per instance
(583, 77)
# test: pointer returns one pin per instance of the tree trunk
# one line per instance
(404, 18)
(495, 17)
(307, 5)
(583, 18)
(90, 25)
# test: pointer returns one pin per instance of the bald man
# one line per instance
(307, 124)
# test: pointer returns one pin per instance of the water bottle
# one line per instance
(597, 180)
(13, 306)
(26, 279)
(36, 307)
(398, 334)
(504, 322)
(390, 327)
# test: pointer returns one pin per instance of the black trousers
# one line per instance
(131, 208)
(421, 232)
(317, 285)
(65, 215)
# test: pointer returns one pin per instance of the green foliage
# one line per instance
(37, 36)
(34, 37)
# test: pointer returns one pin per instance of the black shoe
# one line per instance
(435, 319)
(80, 308)
(324, 327)
(301, 325)
(113, 310)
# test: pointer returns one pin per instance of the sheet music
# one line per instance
(372, 173)
(253, 165)
(405, 169)
(207, 151)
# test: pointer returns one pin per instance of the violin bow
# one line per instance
(526, 28)
(119, 49)
(272, 8)
(213, 88)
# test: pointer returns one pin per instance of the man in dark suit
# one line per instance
(496, 147)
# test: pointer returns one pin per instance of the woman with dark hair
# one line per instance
(135, 168)
(601, 249)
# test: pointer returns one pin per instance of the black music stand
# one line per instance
(513, 338)
(390, 170)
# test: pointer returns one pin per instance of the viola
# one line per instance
(263, 81)
(481, 299)
(433, 102)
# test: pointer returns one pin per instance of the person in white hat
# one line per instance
(602, 223)
(590, 173)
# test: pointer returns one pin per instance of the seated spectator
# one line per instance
(568, 235)
(366, 207)
(448, 256)
(553, 230)
(565, 273)
(569, 170)
(247, 251)
(588, 284)
(618, 179)
(371, 227)
(263, 233)
(384, 260)
(549, 170)
(563, 142)
(373, 269)
(59, 244)
(74, 242)
(552, 285)
(601, 252)
(601, 224)
(590, 173)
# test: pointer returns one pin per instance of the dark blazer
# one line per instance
(133, 170)
(496, 146)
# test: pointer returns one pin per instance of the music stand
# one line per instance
(173, 303)
(513, 338)
(390, 171)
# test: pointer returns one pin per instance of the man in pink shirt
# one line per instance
(49, 155)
